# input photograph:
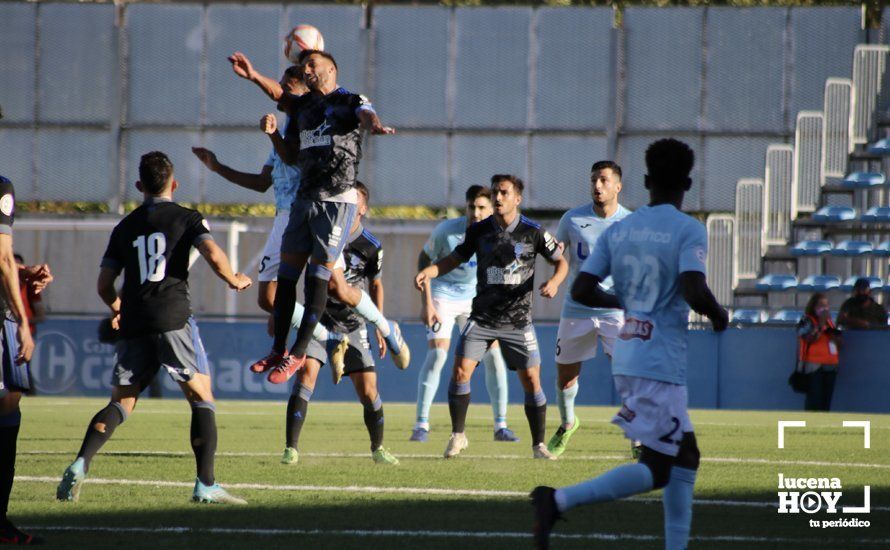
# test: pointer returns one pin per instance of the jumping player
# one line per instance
(447, 300)
(580, 327)
(506, 245)
(153, 314)
(656, 257)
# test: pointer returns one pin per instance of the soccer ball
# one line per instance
(302, 37)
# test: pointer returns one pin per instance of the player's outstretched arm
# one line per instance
(220, 265)
(371, 122)
(255, 182)
(445, 265)
(243, 68)
(695, 291)
(9, 273)
(587, 291)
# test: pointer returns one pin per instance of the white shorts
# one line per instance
(450, 312)
(653, 412)
(576, 338)
(272, 251)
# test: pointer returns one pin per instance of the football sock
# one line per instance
(374, 421)
(283, 306)
(297, 407)
(458, 403)
(9, 433)
(320, 333)
(99, 431)
(621, 482)
(536, 412)
(428, 384)
(317, 277)
(677, 499)
(203, 436)
(368, 311)
(565, 401)
(496, 384)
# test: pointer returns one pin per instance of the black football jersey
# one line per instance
(7, 216)
(505, 269)
(151, 245)
(364, 262)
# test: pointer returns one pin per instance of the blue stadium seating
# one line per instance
(811, 248)
(831, 214)
(852, 248)
(786, 317)
(777, 283)
(749, 316)
(880, 147)
(819, 283)
(883, 249)
(874, 282)
(860, 180)
(877, 214)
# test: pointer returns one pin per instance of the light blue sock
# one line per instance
(368, 311)
(496, 384)
(565, 401)
(320, 333)
(621, 482)
(677, 501)
(428, 384)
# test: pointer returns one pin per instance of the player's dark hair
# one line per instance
(476, 191)
(603, 164)
(304, 55)
(155, 170)
(294, 71)
(669, 162)
(19, 258)
(363, 189)
(517, 183)
(812, 302)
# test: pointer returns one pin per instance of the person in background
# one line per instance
(860, 311)
(818, 340)
(35, 310)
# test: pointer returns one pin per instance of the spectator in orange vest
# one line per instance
(819, 341)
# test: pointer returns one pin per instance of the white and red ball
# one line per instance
(302, 37)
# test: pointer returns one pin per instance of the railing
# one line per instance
(748, 229)
(807, 182)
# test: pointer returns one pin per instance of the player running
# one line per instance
(153, 315)
(506, 245)
(447, 300)
(580, 326)
(656, 257)
(363, 259)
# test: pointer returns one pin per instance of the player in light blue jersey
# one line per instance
(656, 257)
(580, 327)
(448, 301)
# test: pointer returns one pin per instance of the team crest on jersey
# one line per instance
(636, 328)
(316, 137)
(6, 204)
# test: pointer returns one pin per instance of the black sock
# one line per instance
(374, 422)
(536, 413)
(203, 436)
(9, 434)
(317, 277)
(297, 408)
(99, 431)
(458, 404)
(283, 311)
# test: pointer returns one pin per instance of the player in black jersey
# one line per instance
(16, 346)
(506, 245)
(151, 246)
(362, 262)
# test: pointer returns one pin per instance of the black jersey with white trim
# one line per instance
(363, 256)
(7, 217)
(151, 245)
(505, 269)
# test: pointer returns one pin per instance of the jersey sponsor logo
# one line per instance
(642, 235)
(316, 137)
(6, 204)
(636, 328)
(504, 275)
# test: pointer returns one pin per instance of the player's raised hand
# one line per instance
(207, 157)
(241, 65)
(269, 124)
(549, 289)
(721, 321)
(241, 282)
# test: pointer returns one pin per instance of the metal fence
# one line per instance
(541, 92)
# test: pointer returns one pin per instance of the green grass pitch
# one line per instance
(138, 492)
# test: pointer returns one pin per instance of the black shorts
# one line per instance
(13, 377)
(180, 352)
(358, 355)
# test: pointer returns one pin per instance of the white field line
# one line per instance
(717, 460)
(428, 491)
(437, 534)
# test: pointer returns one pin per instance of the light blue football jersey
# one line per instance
(579, 230)
(459, 284)
(285, 178)
(645, 254)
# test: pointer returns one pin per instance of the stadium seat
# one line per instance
(852, 248)
(811, 248)
(786, 317)
(882, 249)
(835, 214)
(877, 214)
(749, 316)
(819, 283)
(860, 180)
(874, 282)
(880, 147)
(771, 283)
